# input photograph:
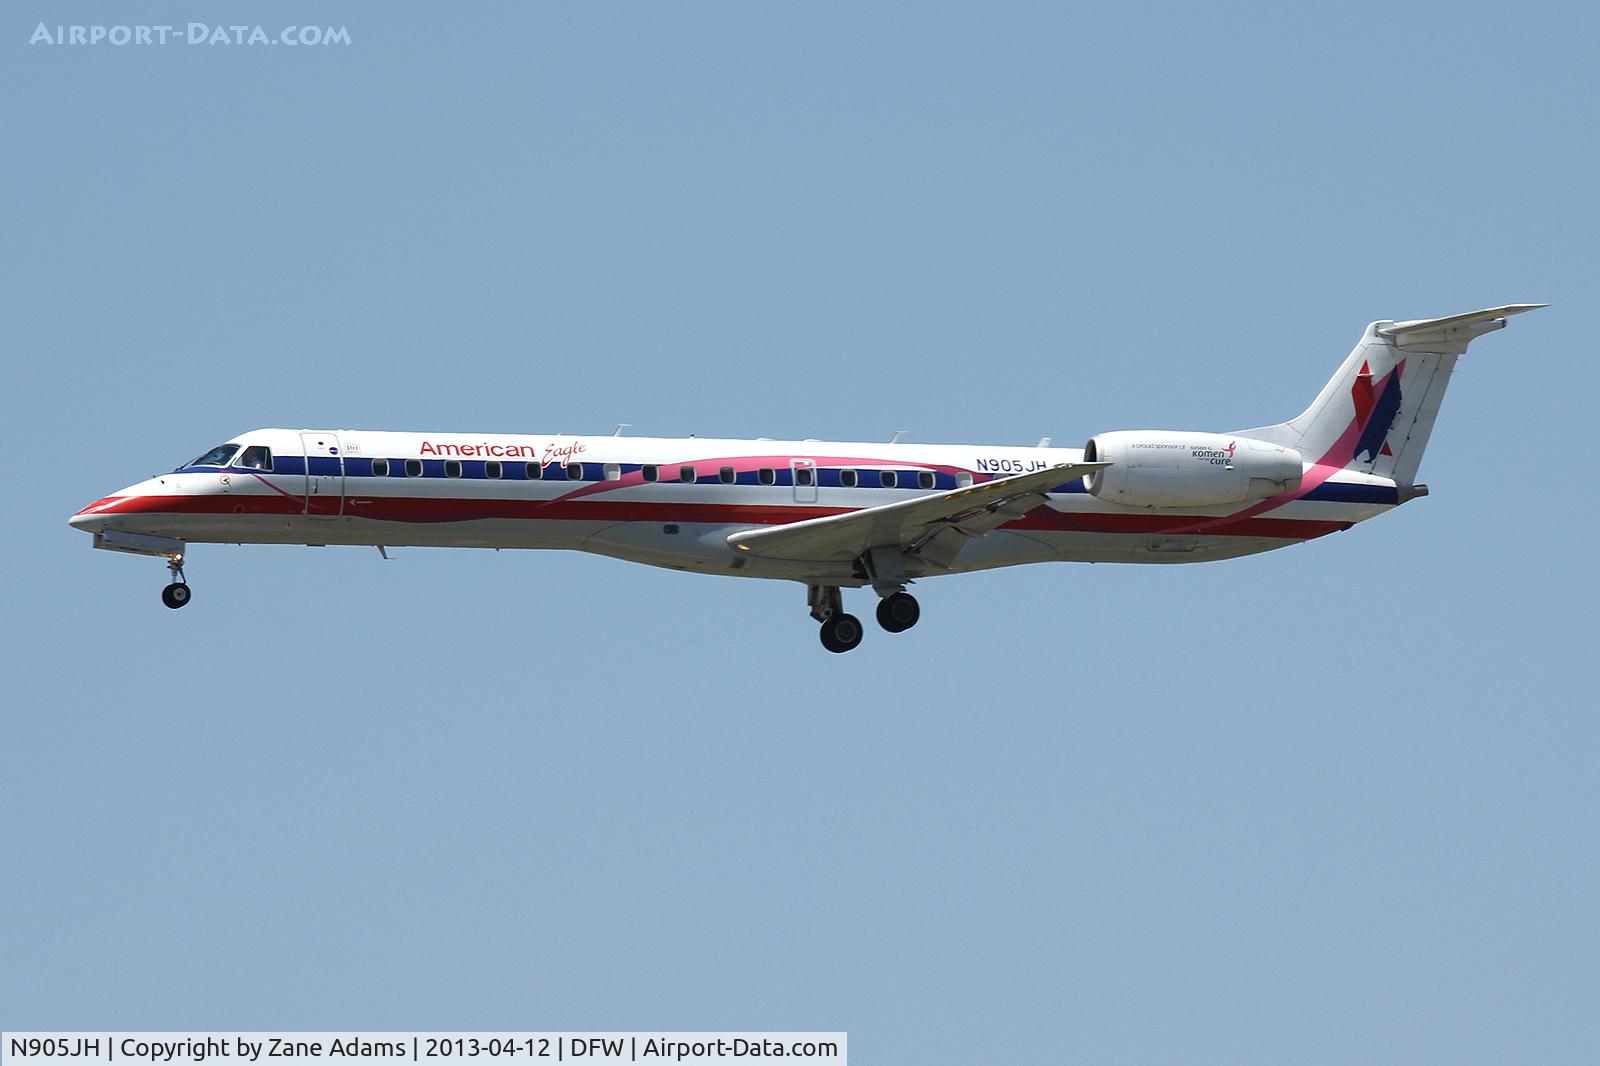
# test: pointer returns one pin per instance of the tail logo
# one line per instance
(1375, 411)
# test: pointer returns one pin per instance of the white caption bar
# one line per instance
(435, 1049)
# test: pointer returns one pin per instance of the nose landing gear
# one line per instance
(176, 594)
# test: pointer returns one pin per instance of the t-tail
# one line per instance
(1376, 414)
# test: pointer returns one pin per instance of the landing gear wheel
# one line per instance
(899, 612)
(841, 632)
(175, 595)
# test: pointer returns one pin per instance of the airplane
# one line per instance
(831, 515)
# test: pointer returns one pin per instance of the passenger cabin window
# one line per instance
(887, 478)
(380, 468)
(847, 478)
(413, 468)
(491, 469)
(925, 479)
(613, 472)
(256, 457)
(686, 474)
(535, 471)
(649, 472)
(728, 476)
(574, 471)
(452, 468)
(767, 476)
(804, 475)
(217, 456)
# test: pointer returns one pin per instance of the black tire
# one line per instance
(899, 612)
(175, 595)
(841, 633)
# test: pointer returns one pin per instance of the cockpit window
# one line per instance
(217, 456)
(256, 457)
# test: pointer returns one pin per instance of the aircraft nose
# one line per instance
(92, 519)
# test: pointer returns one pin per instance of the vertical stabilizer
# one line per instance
(1377, 412)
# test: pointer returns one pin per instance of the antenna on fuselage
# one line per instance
(1044, 442)
(620, 427)
(897, 435)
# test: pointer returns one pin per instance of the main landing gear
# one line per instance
(176, 594)
(841, 632)
(897, 612)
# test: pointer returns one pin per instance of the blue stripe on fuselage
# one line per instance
(827, 477)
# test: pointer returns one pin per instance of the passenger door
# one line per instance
(804, 475)
(324, 473)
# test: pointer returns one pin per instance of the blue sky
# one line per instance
(1332, 804)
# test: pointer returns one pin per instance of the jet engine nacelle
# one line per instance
(1161, 468)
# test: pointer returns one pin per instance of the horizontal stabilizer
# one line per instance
(1453, 333)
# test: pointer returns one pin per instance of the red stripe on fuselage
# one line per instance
(414, 509)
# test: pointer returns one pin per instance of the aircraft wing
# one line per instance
(935, 525)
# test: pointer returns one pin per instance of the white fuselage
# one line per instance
(674, 502)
